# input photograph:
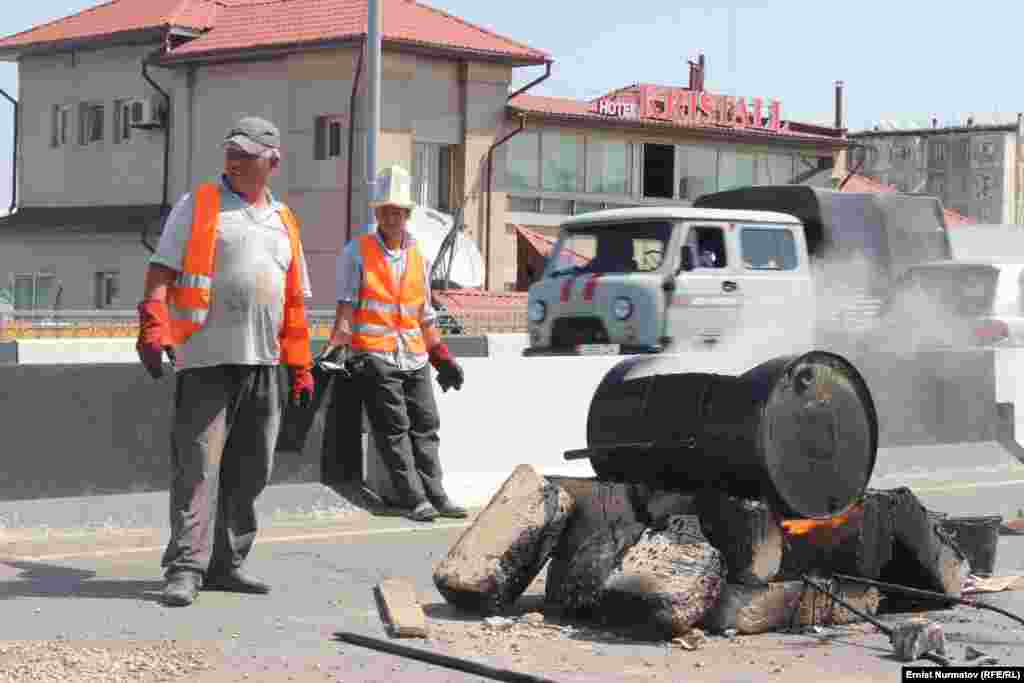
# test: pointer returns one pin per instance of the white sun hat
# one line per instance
(393, 187)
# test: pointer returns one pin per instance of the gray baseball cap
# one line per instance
(254, 135)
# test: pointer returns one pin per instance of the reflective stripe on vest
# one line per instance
(188, 299)
(386, 310)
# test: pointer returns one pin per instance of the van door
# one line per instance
(775, 277)
(705, 305)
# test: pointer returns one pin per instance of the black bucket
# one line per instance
(798, 431)
(978, 538)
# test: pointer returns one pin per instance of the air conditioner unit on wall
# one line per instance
(144, 113)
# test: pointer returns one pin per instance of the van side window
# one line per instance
(707, 245)
(768, 248)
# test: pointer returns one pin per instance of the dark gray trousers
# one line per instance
(403, 415)
(226, 423)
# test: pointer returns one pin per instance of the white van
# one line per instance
(643, 280)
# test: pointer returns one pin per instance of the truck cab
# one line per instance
(644, 280)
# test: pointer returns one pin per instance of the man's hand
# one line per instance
(302, 387)
(154, 336)
(449, 373)
(332, 359)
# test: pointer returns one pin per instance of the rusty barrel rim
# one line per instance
(818, 424)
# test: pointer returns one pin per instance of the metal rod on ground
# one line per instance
(930, 595)
(887, 630)
(440, 660)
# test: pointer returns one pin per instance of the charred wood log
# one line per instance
(862, 545)
(497, 558)
(666, 582)
(924, 556)
(748, 534)
(597, 505)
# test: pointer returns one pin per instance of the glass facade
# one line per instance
(522, 168)
(699, 172)
(561, 156)
(608, 166)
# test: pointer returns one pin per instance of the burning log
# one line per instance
(748, 534)
(823, 610)
(858, 542)
(498, 557)
(598, 505)
(668, 580)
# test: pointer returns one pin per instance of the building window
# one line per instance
(987, 151)
(561, 157)
(90, 122)
(61, 126)
(937, 153)
(107, 288)
(522, 162)
(432, 176)
(937, 186)
(608, 166)
(899, 152)
(736, 170)
(659, 170)
(327, 137)
(962, 152)
(984, 186)
(699, 172)
(34, 291)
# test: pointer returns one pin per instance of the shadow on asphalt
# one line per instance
(448, 612)
(36, 580)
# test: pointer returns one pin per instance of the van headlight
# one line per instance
(623, 308)
(537, 311)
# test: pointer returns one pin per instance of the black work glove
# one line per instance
(333, 360)
(449, 373)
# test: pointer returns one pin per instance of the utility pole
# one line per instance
(374, 51)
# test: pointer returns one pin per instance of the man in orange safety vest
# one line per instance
(224, 299)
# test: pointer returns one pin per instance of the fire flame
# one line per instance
(801, 527)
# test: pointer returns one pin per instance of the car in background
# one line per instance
(951, 304)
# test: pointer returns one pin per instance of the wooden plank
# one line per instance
(400, 608)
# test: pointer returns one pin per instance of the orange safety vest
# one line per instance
(188, 299)
(387, 311)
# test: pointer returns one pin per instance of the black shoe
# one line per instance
(449, 509)
(181, 588)
(424, 512)
(235, 582)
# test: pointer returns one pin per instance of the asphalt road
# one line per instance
(104, 588)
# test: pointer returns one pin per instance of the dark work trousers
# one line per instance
(226, 423)
(403, 416)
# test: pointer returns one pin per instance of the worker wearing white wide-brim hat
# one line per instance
(387, 323)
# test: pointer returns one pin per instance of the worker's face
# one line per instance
(245, 170)
(391, 220)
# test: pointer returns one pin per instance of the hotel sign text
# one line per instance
(693, 108)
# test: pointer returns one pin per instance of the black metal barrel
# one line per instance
(799, 431)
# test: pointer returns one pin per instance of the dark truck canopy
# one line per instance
(892, 231)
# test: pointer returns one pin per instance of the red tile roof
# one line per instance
(860, 183)
(566, 108)
(118, 16)
(233, 25)
(465, 300)
(295, 22)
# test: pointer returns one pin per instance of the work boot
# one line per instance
(446, 508)
(424, 512)
(235, 581)
(181, 588)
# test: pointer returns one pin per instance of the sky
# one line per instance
(899, 61)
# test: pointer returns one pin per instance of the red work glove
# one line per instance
(449, 373)
(154, 336)
(302, 387)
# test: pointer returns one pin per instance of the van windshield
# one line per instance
(635, 247)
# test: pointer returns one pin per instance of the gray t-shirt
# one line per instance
(350, 280)
(253, 255)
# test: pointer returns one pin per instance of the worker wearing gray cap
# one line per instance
(224, 299)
